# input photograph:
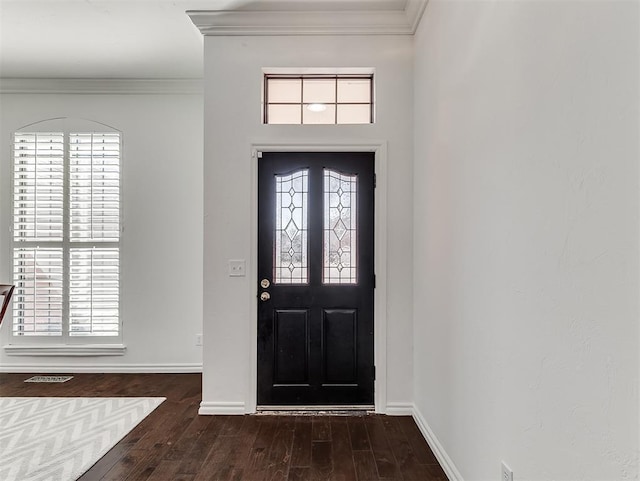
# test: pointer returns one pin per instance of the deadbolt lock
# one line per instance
(264, 283)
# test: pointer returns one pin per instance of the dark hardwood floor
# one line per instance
(175, 444)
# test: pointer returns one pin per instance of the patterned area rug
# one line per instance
(58, 439)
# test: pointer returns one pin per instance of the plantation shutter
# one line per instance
(94, 221)
(38, 187)
(66, 232)
(37, 299)
(94, 288)
(38, 198)
(95, 187)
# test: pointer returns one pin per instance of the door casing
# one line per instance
(379, 148)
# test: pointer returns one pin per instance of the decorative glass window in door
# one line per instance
(291, 263)
(340, 217)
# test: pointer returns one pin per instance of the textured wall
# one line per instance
(526, 236)
(161, 246)
(233, 76)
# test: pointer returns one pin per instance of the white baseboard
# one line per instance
(64, 350)
(69, 368)
(209, 408)
(399, 409)
(441, 455)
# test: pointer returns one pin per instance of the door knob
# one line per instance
(265, 296)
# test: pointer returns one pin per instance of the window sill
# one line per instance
(66, 350)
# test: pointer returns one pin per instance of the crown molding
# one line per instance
(100, 86)
(413, 12)
(298, 22)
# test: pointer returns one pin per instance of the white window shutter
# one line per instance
(93, 292)
(37, 300)
(95, 186)
(66, 234)
(38, 186)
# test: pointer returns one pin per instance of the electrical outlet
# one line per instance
(237, 268)
(507, 474)
(198, 339)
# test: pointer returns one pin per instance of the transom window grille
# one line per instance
(66, 234)
(318, 99)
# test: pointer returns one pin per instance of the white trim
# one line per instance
(380, 257)
(101, 86)
(399, 409)
(102, 368)
(329, 408)
(318, 71)
(380, 260)
(305, 22)
(251, 391)
(208, 408)
(414, 11)
(65, 350)
(438, 450)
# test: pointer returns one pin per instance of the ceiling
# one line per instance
(140, 39)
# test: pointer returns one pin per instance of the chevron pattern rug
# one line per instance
(58, 439)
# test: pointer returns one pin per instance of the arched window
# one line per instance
(66, 231)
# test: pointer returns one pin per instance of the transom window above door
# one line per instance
(318, 99)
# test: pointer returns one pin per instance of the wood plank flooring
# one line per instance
(174, 443)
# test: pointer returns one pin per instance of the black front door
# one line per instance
(315, 278)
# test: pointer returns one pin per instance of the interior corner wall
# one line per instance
(233, 87)
(526, 237)
(161, 246)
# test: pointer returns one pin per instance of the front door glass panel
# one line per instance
(340, 228)
(291, 230)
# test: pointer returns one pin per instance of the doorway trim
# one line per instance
(379, 148)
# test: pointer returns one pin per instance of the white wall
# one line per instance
(161, 253)
(233, 75)
(526, 237)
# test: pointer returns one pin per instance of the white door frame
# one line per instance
(380, 258)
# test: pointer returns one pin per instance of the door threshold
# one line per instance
(328, 410)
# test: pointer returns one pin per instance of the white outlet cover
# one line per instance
(237, 268)
(507, 474)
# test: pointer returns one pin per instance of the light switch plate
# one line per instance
(237, 268)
